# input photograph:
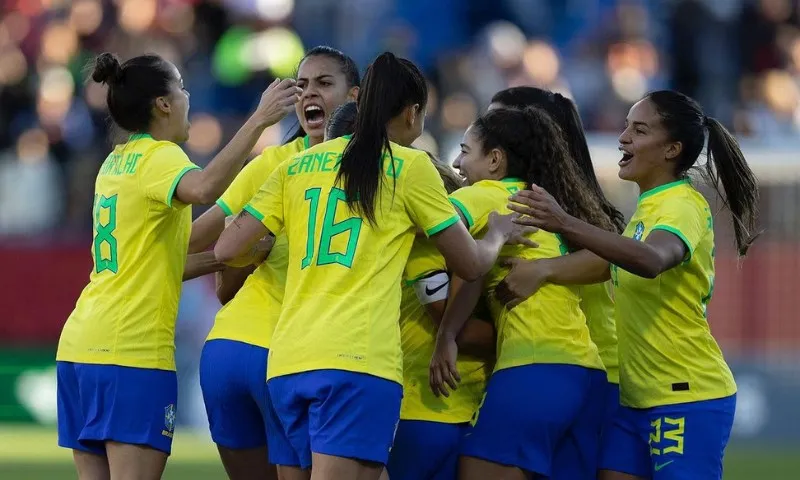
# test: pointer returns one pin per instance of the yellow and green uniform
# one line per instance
(418, 336)
(126, 314)
(342, 300)
(549, 327)
(667, 354)
(250, 317)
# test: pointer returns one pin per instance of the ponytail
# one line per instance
(739, 193)
(572, 129)
(390, 85)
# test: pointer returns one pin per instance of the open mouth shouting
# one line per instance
(626, 157)
(315, 116)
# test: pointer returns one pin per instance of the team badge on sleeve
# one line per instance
(639, 231)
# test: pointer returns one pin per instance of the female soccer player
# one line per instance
(116, 370)
(335, 367)
(596, 301)
(677, 392)
(538, 399)
(430, 429)
(234, 359)
(342, 121)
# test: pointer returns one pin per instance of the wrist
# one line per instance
(257, 122)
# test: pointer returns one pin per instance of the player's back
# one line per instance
(342, 299)
(548, 327)
(126, 314)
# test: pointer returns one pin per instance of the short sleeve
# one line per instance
(426, 199)
(475, 204)
(687, 218)
(163, 170)
(248, 181)
(423, 260)
(267, 204)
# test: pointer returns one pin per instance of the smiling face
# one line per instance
(324, 87)
(648, 154)
(472, 164)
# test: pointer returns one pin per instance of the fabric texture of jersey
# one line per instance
(342, 300)
(684, 441)
(418, 336)
(100, 403)
(666, 351)
(336, 412)
(252, 314)
(597, 304)
(126, 314)
(548, 327)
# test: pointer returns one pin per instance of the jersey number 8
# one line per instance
(330, 229)
(104, 234)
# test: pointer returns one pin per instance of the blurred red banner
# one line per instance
(756, 303)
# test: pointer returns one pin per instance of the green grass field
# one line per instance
(31, 454)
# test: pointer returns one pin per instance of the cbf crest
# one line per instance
(638, 231)
(169, 420)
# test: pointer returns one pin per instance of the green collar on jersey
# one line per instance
(513, 180)
(306, 143)
(139, 136)
(666, 186)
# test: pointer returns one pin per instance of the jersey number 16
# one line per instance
(330, 229)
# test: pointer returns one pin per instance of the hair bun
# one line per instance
(106, 69)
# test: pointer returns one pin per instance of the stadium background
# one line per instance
(740, 58)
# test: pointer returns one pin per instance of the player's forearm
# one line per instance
(631, 255)
(221, 171)
(462, 300)
(199, 264)
(580, 268)
(206, 229)
(230, 280)
(477, 338)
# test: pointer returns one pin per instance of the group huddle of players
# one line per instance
(385, 317)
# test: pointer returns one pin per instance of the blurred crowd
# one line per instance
(740, 58)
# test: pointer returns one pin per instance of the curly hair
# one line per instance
(536, 151)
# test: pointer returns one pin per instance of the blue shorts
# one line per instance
(528, 412)
(338, 413)
(425, 450)
(100, 403)
(233, 377)
(612, 405)
(674, 442)
(578, 453)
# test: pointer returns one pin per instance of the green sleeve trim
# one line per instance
(224, 206)
(460, 206)
(680, 235)
(438, 228)
(174, 186)
(252, 211)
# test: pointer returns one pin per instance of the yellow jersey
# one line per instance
(667, 354)
(126, 314)
(548, 327)
(251, 315)
(597, 304)
(418, 337)
(342, 300)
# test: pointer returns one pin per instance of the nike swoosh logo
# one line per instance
(428, 291)
(659, 466)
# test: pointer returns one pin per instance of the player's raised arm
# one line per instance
(205, 186)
